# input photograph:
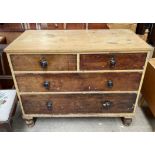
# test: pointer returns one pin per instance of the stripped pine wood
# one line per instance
(76, 52)
(77, 41)
(129, 115)
(78, 62)
(15, 83)
(78, 92)
(92, 71)
(130, 55)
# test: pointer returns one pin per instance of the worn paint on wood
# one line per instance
(78, 82)
(63, 62)
(102, 61)
(88, 103)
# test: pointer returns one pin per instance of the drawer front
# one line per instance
(120, 61)
(78, 82)
(78, 103)
(39, 62)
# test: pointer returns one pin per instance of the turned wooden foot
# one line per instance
(29, 122)
(126, 121)
(8, 126)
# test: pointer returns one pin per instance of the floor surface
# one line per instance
(141, 123)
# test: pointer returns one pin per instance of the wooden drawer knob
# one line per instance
(110, 83)
(106, 104)
(46, 84)
(43, 63)
(112, 62)
(49, 105)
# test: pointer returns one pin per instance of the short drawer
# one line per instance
(117, 61)
(78, 82)
(78, 103)
(39, 62)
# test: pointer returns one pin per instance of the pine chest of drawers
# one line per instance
(78, 73)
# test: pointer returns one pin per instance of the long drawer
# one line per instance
(78, 103)
(44, 62)
(117, 61)
(78, 82)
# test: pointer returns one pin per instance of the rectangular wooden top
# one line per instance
(81, 41)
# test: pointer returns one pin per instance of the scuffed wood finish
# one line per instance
(102, 61)
(83, 103)
(73, 41)
(78, 82)
(63, 62)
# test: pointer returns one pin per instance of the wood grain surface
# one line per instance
(63, 62)
(78, 82)
(88, 103)
(73, 41)
(78, 72)
(102, 61)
